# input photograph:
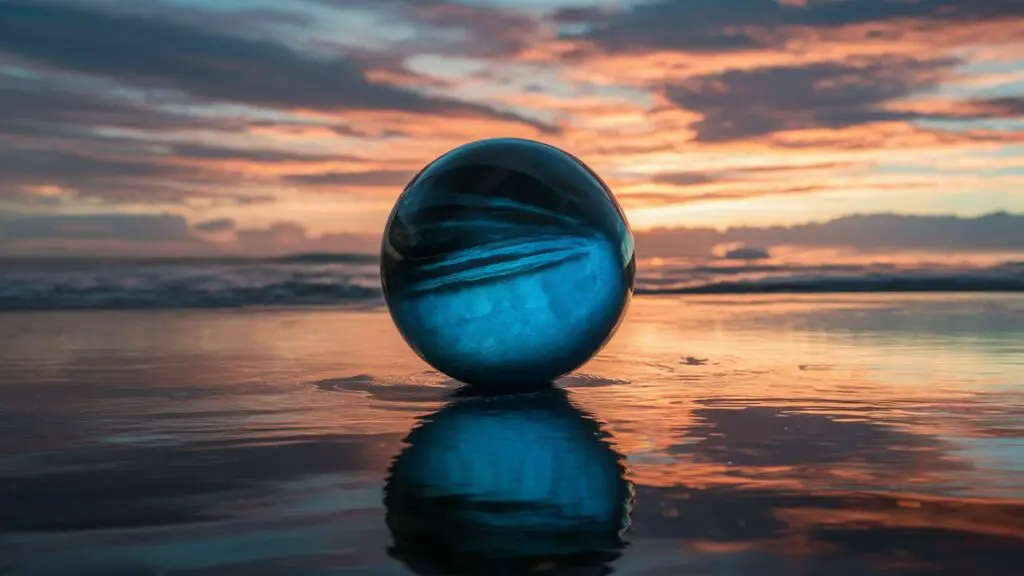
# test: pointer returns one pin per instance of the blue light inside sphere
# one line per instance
(509, 481)
(507, 263)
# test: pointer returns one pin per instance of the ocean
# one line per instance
(264, 417)
(353, 280)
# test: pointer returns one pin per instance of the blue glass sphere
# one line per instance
(505, 485)
(507, 263)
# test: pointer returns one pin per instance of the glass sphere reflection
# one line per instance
(506, 485)
(507, 262)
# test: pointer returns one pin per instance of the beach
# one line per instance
(773, 434)
(803, 220)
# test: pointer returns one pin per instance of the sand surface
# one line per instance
(816, 434)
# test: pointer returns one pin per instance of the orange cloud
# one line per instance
(773, 112)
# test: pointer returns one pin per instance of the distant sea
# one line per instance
(352, 280)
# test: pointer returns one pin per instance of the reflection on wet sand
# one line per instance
(792, 492)
(786, 532)
(508, 484)
(777, 436)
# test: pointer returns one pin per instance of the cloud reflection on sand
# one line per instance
(258, 442)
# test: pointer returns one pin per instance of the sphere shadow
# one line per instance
(508, 485)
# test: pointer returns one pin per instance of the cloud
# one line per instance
(395, 179)
(216, 225)
(743, 25)
(673, 188)
(49, 107)
(169, 106)
(686, 178)
(103, 233)
(751, 111)
(93, 142)
(992, 232)
(971, 109)
(755, 173)
(460, 28)
(133, 227)
(290, 238)
(111, 233)
(255, 155)
(87, 141)
(76, 167)
(746, 253)
(141, 50)
(743, 104)
(73, 175)
(651, 199)
(487, 31)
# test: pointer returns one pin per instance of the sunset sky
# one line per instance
(264, 126)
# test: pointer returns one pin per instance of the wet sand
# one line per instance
(812, 434)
